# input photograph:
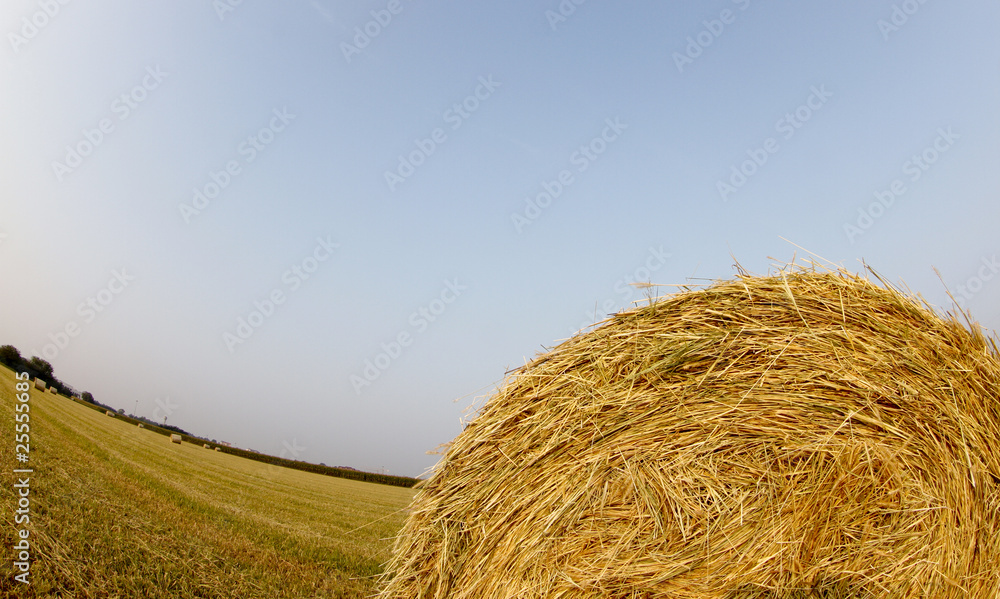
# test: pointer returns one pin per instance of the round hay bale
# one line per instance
(175, 438)
(806, 434)
(141, 425)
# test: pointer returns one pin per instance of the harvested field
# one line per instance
(116, 514)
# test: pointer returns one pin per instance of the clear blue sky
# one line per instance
(112, 115)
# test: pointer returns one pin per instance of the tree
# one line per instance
(42, 367)
(87, 397)
(10, 356)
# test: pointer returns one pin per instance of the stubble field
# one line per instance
(118, 511)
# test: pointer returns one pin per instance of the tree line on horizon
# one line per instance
(36, 367)
(41, 369)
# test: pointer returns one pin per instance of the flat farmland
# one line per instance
(119, 511)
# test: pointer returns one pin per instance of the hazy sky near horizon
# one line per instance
(321, 229)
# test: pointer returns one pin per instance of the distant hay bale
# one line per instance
(39, 384)
(141, 425)
(175, 439)
(109, 413)
(217, 449)
(805, 434)
(207, 446)
(52, 389)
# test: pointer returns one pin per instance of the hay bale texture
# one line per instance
(804, 434)
(175, 438)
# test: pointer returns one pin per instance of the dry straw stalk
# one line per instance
(805, 434)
